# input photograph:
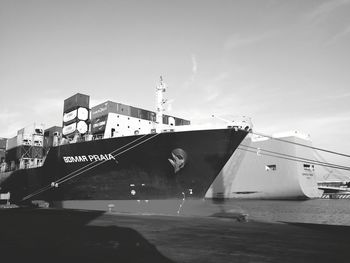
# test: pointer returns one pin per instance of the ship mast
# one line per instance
(160, 101)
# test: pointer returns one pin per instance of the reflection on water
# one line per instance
(320, 211)
(317, 211)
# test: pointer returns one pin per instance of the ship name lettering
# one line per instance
(75, 159)
(101, 157)
(87, 158)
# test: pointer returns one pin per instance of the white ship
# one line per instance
(254, 171)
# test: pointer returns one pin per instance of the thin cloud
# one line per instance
(10, 123)
(341, 96)
(332, 97)
(194, 64)
(214, 89)
(193, 73)
(328, 120)
(237, 41)
(48, 104)
(342, 34)
(324, 9)
(46, 111)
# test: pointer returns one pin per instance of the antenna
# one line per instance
(160, 101)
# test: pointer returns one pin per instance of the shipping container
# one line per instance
(37, 152)
(153, 116)
(51, 134)
(24, 139)
(171, 121)
(2, 155)
(82, 127)
(118, 108)
(165, 119)
(83, 114)
(179, 122)
(11, 143)
(111, 107)
(134, 112)
(145, 114)
(138, 113)
(11, 154)
(76, 115)
(76, 101)
(38, 140)
(100, 110)
(124, 109)
(3, 142)
(32, 129)
(23, 152)
(98, 125)
(69, 129)
(69, 116)
(17, 153)
(104, 108)
(25, 136)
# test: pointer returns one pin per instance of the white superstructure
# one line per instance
(255, 172)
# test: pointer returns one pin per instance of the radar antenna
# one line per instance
(160, 101)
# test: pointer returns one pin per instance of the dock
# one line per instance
(58, 235)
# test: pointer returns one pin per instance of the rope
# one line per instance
(94, 162)
(86, 168)
(296, 157)
(299, 160)
(49, 186)
(300, 144)
(99, 163)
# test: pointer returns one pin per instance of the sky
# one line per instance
(285, 64)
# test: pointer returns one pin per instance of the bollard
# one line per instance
(110, 207)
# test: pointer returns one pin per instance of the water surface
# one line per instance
(319, 211)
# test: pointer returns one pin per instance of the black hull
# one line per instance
(162, 166)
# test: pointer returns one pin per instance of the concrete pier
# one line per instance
(48, 235)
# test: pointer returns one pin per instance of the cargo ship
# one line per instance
(115, 156)
(267, 169)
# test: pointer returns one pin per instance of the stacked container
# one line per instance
(110, 107)
(27, 148)
(111, 119)
(52, 137)
(99, 115)
(3, 142)
(76, 117)
(174, 121)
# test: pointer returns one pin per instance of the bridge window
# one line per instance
(271, 167)
(309, 167)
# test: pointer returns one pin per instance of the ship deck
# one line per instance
(49, 235)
